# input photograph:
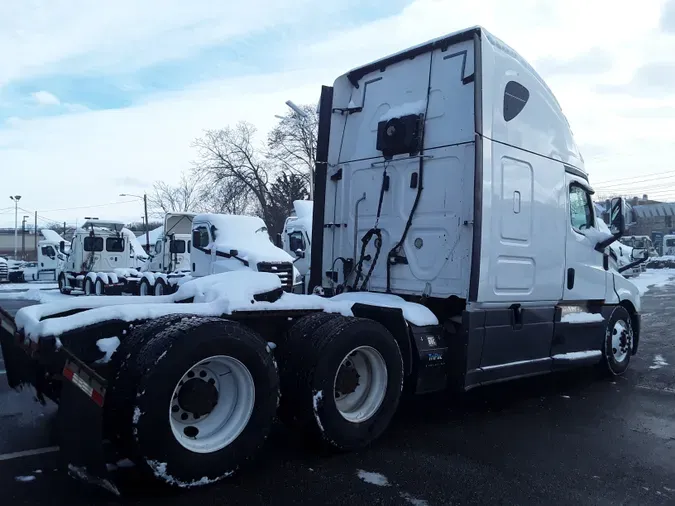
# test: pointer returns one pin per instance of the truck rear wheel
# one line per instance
(99, 287)
(342, 384)
(144, 288)
(205, 400)
(160, 287)
(88, 286)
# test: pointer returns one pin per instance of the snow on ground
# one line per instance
(659, 362)
(653, 278)
(24, 479)
(373, 478)
(36, 294)
(49, 285)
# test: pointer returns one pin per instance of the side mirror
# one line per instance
(62, 246)
(277, 241)
(234, 252)
(299, 253)
(617, 216)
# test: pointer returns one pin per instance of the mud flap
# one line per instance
(80, 427)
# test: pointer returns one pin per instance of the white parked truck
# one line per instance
(4, 270)
(104, 258)
(225, 243)
(453, 245)
(296, 239)
(170, 254)
(669, 245)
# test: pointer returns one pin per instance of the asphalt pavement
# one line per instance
(572, 438)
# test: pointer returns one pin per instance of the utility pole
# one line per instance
(64, 230)
(23, 237)
(36, 234)
(147, 227)
(16, 199)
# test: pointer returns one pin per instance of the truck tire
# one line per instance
(87, 286)
(205, 402)
(160, 287)
(342, 384)
(618, 345)
(144, 288)
(99, 287)
(63, 284)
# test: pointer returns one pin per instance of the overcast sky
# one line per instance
(102, 98)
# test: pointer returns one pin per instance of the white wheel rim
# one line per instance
(98, 287)
(622, 340)
(87, 286)
(234, 397)
(62, 283)
(143, 290)
(362, 402)
(159, 289)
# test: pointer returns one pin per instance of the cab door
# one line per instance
(586, 277)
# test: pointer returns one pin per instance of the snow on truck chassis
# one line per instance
(469, 190)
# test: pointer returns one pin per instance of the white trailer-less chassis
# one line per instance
(453, 246)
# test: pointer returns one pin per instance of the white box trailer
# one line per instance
(453, 245)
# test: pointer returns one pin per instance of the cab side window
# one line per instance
(200, 237)
(581, 208)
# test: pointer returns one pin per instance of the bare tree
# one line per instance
(292, 143)
(285, 189)
(228, 197)
(228, 159)
(181, 198)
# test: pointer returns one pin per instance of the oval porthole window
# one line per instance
(515, 97)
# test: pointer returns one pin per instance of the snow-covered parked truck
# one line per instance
(224, 242)
(170, 254)
(104, 258)
(296, 239)
(453, 245)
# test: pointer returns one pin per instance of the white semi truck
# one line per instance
(453, 245)
(296, 239)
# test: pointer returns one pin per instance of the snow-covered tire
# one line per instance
(162, 364)
(119, 402)
(314, 365)
(618, 343)
(99, 287)
(88, 286)
(63, 284)
(144, 288)
(160, 287)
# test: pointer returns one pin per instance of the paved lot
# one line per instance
(566, 439)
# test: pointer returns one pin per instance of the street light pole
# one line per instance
(147, 225)
(16, 199)
(23, 237)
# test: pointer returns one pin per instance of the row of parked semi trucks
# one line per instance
(109, 259)
(106, 258)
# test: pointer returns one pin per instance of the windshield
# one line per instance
(670, 242)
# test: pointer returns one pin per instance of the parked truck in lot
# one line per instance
(454, 245)
(296, 238)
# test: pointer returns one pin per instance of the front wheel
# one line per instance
(63, 284)
(618, 346)
(160, 287)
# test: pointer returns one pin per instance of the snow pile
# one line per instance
(139, 252)
(406, 109)
(373, 478)
(24, 479)
(246, 234)
(581, 318)
(108, 346)
(663, 262)
(214, 295)
(52, 236)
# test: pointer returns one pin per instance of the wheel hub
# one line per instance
(197, 397)
(347, 380)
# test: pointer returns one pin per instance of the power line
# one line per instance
(635, 177)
